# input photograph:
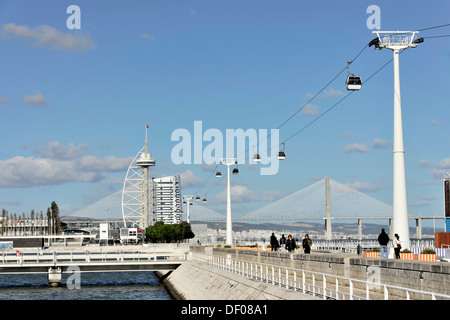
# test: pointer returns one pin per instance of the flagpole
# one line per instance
(146, 129)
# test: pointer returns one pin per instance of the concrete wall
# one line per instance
(417, 275)
(195, 281)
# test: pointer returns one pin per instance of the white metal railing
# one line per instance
(108, 257)
(326, 286)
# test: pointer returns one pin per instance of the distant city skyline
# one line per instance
(75, 102)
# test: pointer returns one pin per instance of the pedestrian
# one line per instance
(307, 242)
(383, 240)
(290, 244)
(397, 246)
(282, 240)
(273, 242)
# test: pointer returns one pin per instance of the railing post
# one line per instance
(303, 281)
(367, 291)
(314, 284)
(337, 288)
(262, 273)
(273, 275)
(287, 278)
(279, 276)
(351, 289)
(324, 287)
(386, 293)
(295, 280)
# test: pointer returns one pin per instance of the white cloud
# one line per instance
(363, 186)
(381, 144)
(441, 169)
(444, 164)
(59, 165)
(55, 150)
(356, 147)
(4, 100)
(349, 135)
(148, 36)
(331, 93)
(46, 36)
(37, 100)
(425, 164)
(243, 194)
(189, 179)
(193, 13)
(437, 122)
(310, 110)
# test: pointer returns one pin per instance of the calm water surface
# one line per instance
(94, 286)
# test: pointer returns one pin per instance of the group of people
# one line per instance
(289, 244)
(383, 240)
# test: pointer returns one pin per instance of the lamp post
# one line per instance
(396, 41)
(229, 162)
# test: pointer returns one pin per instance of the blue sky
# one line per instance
(74, 103)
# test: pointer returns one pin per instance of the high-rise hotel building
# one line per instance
(165, 200)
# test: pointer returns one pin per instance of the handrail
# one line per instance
(119, 256)
(315, 283)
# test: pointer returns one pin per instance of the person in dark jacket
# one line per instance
(290, 244)
(282, 240)
(383, 240)
(273, 242)
(307, 244)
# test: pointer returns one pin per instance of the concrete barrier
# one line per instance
(427, 276)
(196, 281)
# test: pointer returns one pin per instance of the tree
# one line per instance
(55, 218)
(161, 232)
(49, 221)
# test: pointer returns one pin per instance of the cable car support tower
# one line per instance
(397, 41)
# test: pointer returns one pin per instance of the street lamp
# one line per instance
(396, 41)
(229, 162)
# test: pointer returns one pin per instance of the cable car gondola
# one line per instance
(256, 157)
(281, 153)
(235, 171)
(218, 174)
(353, 82)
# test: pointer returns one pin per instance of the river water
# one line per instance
(142, 285)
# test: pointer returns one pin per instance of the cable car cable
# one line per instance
(332, 107)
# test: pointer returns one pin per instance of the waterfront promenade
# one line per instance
(233, 273)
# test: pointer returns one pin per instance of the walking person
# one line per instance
(290, 244)
(397, 246)
(273, 242)
(383, 240)
(307, 242)
(282, 240)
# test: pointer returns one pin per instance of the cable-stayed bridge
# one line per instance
(308, 203)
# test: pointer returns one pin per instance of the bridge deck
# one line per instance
(88, 261)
